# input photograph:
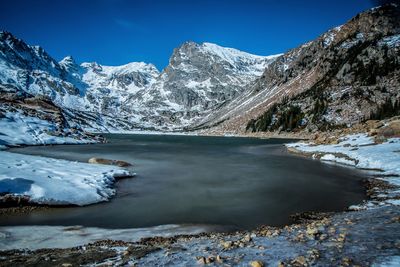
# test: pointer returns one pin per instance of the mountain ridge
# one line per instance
(136, 93)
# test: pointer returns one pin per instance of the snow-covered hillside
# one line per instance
(17, 128)
(198, 80)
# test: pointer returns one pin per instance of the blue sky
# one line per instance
(115, 32)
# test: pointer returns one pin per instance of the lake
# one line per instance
(230, 182)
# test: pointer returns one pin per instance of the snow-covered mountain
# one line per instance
(198, 80)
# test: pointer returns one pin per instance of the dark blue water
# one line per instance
(237, 182)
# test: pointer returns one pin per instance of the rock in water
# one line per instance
(118, 163)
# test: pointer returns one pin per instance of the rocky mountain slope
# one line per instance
(347, 75)
(198, 79)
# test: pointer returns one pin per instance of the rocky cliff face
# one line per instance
(218, 74)
(198, 80)
(349, 74)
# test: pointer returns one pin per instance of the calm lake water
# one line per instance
(238, 183)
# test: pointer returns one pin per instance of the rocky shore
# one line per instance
(358, 238)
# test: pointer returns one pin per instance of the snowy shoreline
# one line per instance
(47, 181)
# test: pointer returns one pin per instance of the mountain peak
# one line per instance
(68, 59)
(10, 40)
(5, 35)
(190, 49)
(8, 36)
(122, 69)
(231, 55)
(69, 64)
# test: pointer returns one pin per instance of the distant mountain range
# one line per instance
(198, 80)
(349, 74)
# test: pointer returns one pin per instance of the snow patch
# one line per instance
(56, 182)
(38, 237)
(391, 41)
(18, 129)
(393, 261)
(333, 158)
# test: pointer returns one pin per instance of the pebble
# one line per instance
(323, 237)
(300, 260)
(311, 231)
(219, 259)
(347, 261)
(227, 244)
(256, 264)
(201, 260)
(247, 238)
(210, 260)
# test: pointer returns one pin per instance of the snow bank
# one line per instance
(38, 237)
(360, 151)
(391, 261)
(364, 152)
(330, 157)
(18, 129)
(56, 182)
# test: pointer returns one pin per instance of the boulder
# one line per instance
(118, 163)
(392, 129)
(374, 124)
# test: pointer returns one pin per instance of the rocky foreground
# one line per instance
(359, 238)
